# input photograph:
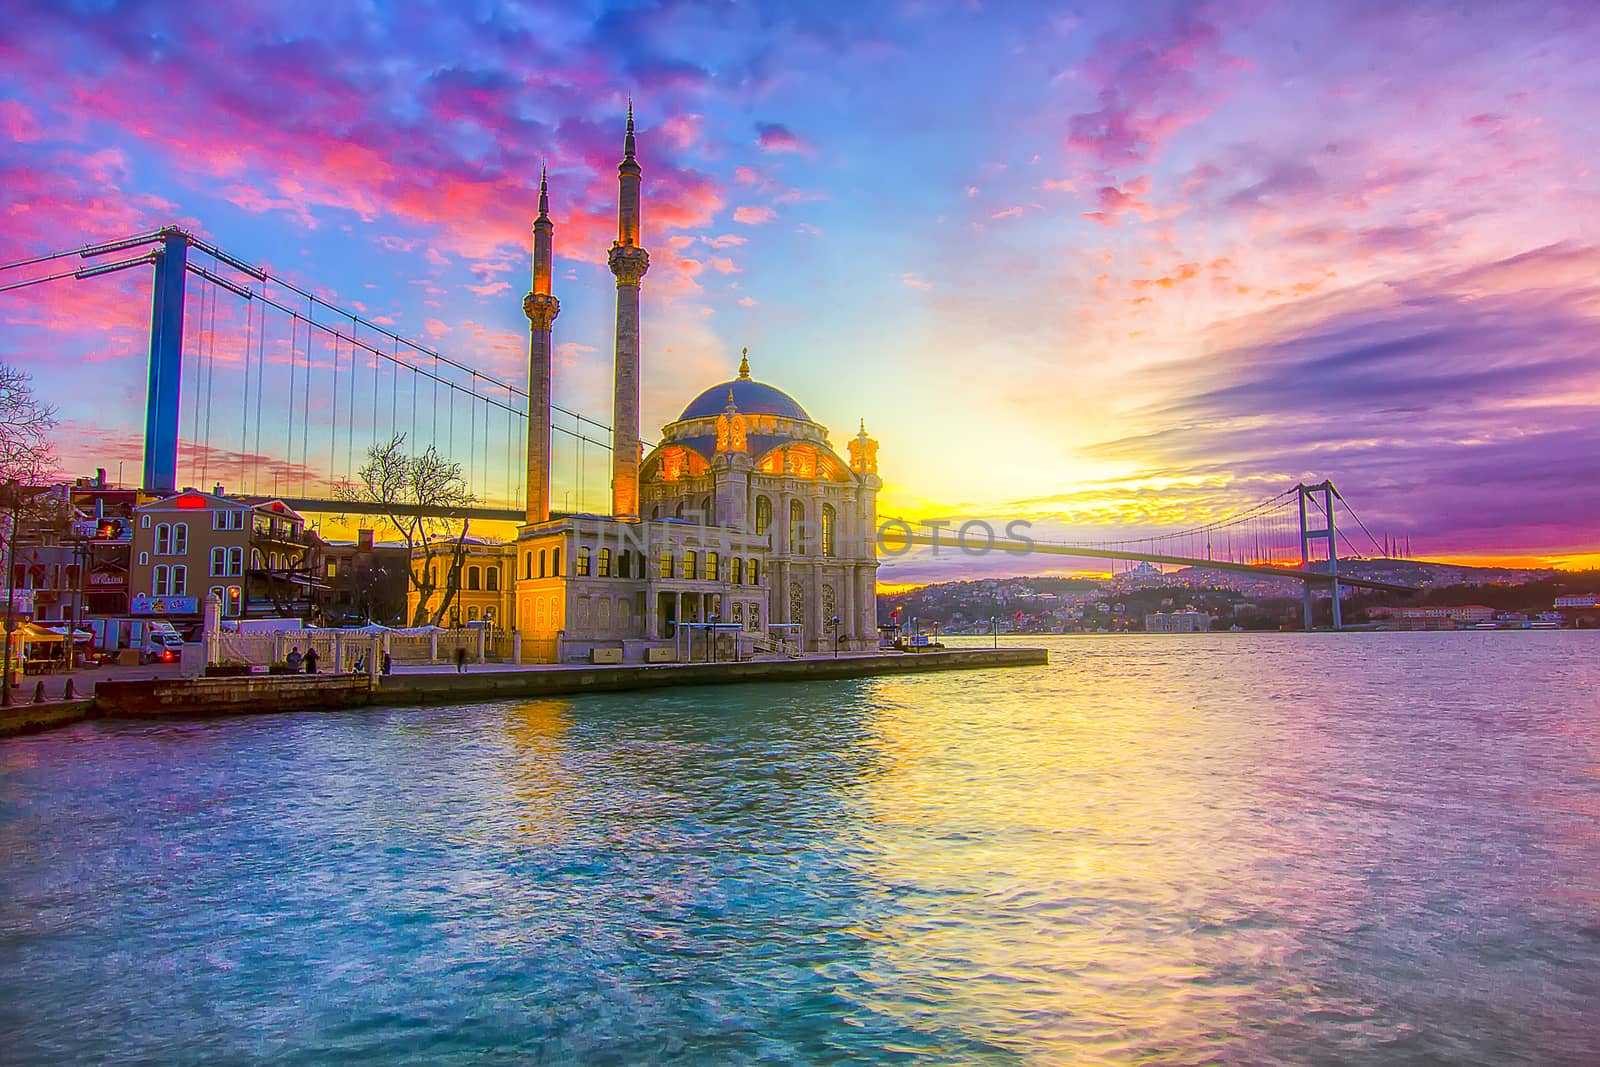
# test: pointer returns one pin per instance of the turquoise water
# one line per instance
(1325, 848)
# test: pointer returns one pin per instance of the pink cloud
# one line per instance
(1150, 87)
(1115, 202)
(753, 216)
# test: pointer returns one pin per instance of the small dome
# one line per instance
(750, 396)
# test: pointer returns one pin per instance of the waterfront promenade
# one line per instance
(157, 691)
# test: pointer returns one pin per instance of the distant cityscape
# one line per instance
(1146, 599)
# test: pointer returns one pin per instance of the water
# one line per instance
(1335, 848)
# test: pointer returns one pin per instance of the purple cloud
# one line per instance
(775, 137)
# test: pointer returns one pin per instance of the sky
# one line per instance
(1107, 267)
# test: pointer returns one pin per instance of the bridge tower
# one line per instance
(1308, 498)
(166, 365)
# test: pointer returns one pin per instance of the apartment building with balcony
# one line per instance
(254, 554)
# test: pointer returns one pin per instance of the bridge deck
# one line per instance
(1017, 548)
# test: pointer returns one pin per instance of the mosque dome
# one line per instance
(749, 396)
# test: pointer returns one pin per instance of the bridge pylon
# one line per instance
(166, 365)
(1308, 498)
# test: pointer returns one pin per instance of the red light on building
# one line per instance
(278, 507)
(191, 501)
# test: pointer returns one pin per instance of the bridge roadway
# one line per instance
(1259, 570)
(1018, 548)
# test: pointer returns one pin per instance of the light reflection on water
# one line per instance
(1328, 848)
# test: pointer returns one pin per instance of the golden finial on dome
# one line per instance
(744, 365)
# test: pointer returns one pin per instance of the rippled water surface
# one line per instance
(1334, 848)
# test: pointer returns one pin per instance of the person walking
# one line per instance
(461, 659)
(311, 661)
(292, 660)
(388, 664)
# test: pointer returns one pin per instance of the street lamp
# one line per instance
(10, 498)
(833, 624)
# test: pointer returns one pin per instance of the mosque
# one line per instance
(743, 524)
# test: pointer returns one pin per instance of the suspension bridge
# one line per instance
(283, 391)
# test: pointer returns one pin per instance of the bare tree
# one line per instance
(417, 493)
(26, 464)
(25, 426)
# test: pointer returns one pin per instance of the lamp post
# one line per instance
(993, 633)
(711, 638)
(833, 624)
(10, 499)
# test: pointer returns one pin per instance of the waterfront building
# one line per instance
(1177, 622)
(254, 554)
(364, 580)
(744, 515)
(1581, 600)
(472, 586)
(1438, 617)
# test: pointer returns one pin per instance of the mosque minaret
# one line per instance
(541, 308)
(628, 262)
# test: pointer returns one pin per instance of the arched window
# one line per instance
(655, 512)
(797, 527)
(707, 514)
(713, 566)
(763, 514)
(544, 563)
(144, 522)
(180, 539)
(666, 563)
(160, 581)
(527, 565)
(583, 561)
(236, 561)
(144, 558)
(691, 563)
(472, 614)
(678, 511)
(180, 580)
(737, 567)
(625, 564)
(755, 572)
(830, 525)
(219, 563)
(491, 578)
(605, 563)
(474, 579)
(163, 539)
(555, 562)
